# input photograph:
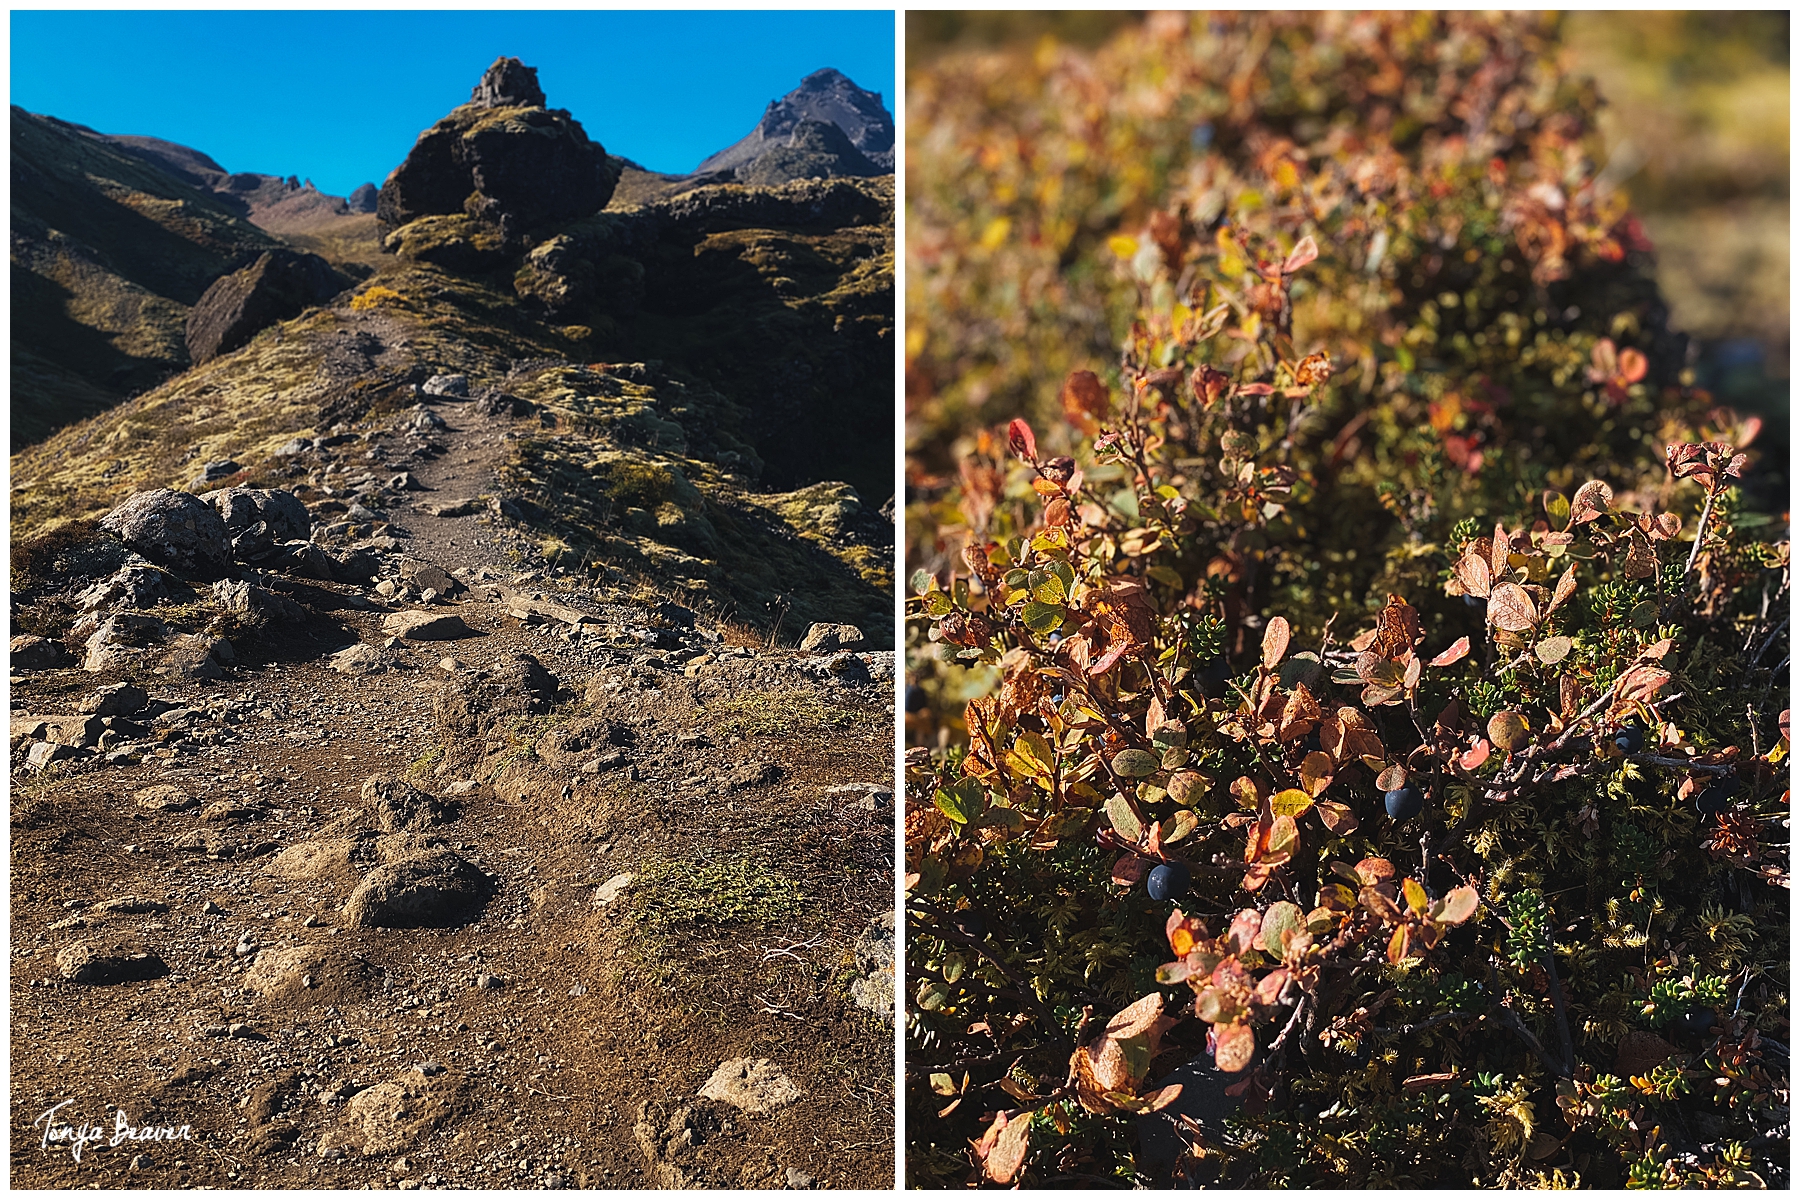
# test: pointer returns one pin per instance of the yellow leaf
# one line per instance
(1123, 245)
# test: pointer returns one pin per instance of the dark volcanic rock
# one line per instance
(825, 96)
(399, 806)
(437, 889)
(172, 529)
(503, 162)
(278, 285)
(241, 508)
(509, 83)
(362, 200)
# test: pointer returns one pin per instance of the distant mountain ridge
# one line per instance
(826, 95)
(267, 201)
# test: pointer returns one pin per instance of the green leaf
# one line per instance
(954, 966)
(1135, 764)
(964, 802)
(1165, 575)
(1282, 920)
(937, 604)
(1049, 589)
(1551, 651)
(1031, 755)
(1042, 618)
(1291, 803)
(943, 1084)
(1179, 826)
(923, 581)
(1124, 820)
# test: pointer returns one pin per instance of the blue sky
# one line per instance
(340, 96)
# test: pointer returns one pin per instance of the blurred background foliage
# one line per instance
(1693, 128)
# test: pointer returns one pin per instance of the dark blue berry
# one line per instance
(1717, 796)
(1631, 738)
(1404, 803)
(1473, 601)
(916, 700)
(1696, 1022)
(1168, 881)
(1213, 677)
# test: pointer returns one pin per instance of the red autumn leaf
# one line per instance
(1305, 251)
(1130, 870)
(1006, 1155)
(1473, 757)
(1459, 650)
(1022, 440)
(1642, 683)
(1592, 500)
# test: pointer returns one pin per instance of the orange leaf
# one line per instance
(1275, 642)
(1565, 587)
(1337, 817)
(1511, 609)
(1234, 1047)
(1459, 650)
(1398, 945)
(1316, 771)
(1642, 683)
(1459, 905)
(1012, 1139)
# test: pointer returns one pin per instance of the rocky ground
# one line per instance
(378, 849)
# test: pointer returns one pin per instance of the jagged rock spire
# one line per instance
(509, 83)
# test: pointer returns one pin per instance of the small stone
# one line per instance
(425, 626)
(360, 659)
(489, 983)
(825, 638)
(799, 1180)
(447, 385)
(753, 1085)
(612, 889)
(165, 797)
(874, 958)
(45, 753)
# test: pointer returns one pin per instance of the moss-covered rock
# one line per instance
(503, 160)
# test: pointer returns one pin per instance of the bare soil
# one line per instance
(550, 1038)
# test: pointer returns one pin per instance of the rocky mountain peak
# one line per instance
(826, 95)
(509, 83)
(490, 171)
